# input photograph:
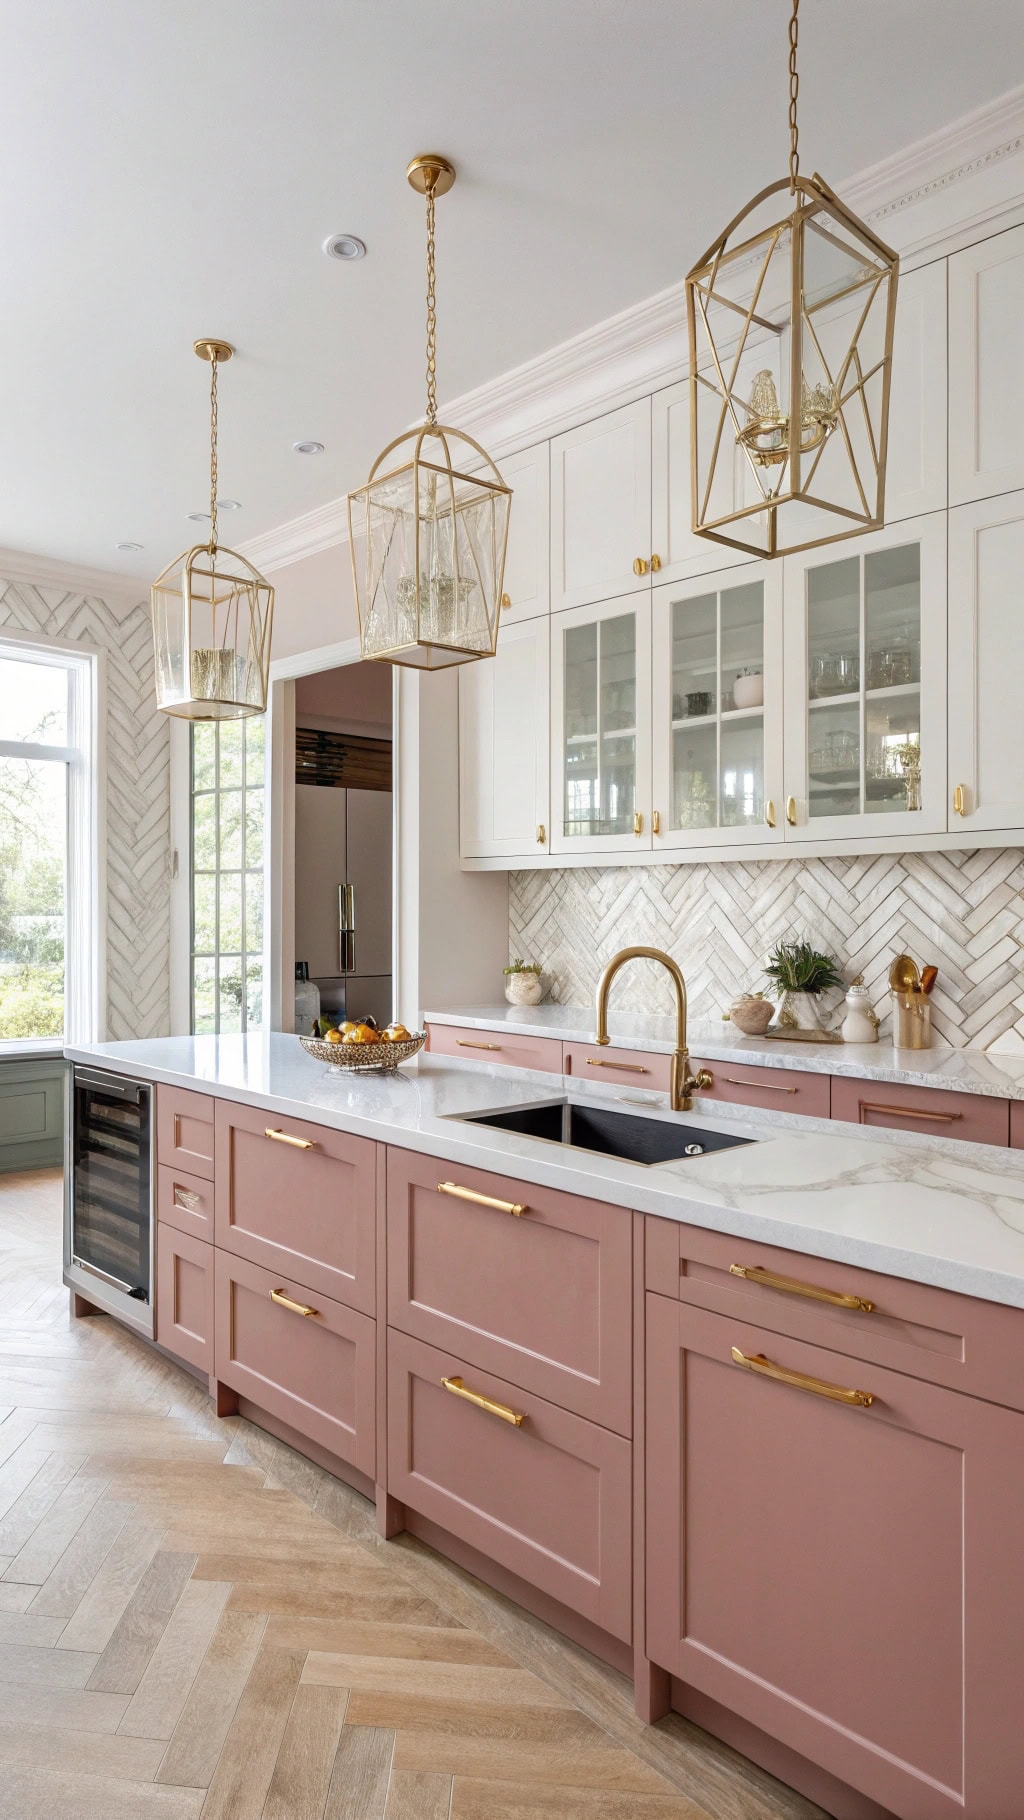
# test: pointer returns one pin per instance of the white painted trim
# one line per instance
(74, 578)
(279, 857)
(179, 864)
(307, 663)
(320, 529)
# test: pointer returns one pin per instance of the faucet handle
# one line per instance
(703, 1080)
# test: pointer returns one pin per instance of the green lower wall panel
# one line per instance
(31, 1113)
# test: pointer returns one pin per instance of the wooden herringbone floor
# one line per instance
(196, 1621)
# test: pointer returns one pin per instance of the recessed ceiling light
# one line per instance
(344, 246)
(229, 505)
(308, 448)
(127, 547)
(197, 517)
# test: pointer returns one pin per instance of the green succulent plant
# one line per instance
(797, 967)
(522, 966)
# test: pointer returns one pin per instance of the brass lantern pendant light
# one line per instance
(429, 529)
(790, 319)
(212, 613)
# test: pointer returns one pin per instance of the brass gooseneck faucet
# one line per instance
(683, 1082)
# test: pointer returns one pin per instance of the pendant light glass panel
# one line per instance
(790, 319)
(428, 552)
(211, 635)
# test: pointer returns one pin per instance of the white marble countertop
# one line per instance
(967, 1070)
(948, 1214)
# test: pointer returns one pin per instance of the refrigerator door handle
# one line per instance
(346, 928)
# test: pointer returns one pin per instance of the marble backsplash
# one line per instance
(962, 911)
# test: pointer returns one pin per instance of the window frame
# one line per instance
(246, 955)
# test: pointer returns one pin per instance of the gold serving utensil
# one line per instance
(903, 974)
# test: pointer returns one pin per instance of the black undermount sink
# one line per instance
(621, 1134)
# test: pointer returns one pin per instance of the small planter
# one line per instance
(800, 1011)
(524, 988)
(751, 1013)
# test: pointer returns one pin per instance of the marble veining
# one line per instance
(945, 1214)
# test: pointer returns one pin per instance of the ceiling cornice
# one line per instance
(644, 347)
(70, 577)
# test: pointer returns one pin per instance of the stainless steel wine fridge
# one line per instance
(108, 1194)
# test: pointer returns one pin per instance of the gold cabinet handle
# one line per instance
(638, 823)
(655, 822)
(758, 1086)
(542, 834)
(959, 800)
(621, 1067)
(501, 1410)
(515, 1208)
(285, 1137)
(655, 563)
(639, 565)
(769, 813)
(791, 811)
(506, 601)
(836, 1393)
(463, 1042)
(908, 1112)
(186, 1197)
(755, 1273)
(285, 1301)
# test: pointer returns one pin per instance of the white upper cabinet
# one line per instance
(986, 370)
(679, 551)
(986, 665)
(717, 710)
(601, 727)
(865, 685)
(915, 480)
(601, 508)
(504, 746)
(526, 592)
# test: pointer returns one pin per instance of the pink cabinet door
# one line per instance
(549, 1499)
(298, 1198)
(511, 1049)
(185, 1201)
(617, 1067)
(184, 1130)
(844, 1577)
(543, 1297)
(975, 1117)
(778, 1089)
(1017, 1124)
(303, 1358)
(184, 1297)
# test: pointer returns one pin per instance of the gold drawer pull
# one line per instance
(909, 1112)
(506, 600)
(755, 1273)
(502, 1410)
(638, 823)
(462, 1042)
(620, 1067)
(959, 804)
(640, 565)
(542, 834)
(769, 813)
(285, 1301)
(836, 1393)
(758, 1086)
(791, 811)
(285, 1137)
(186, 1197)
(516, 1208)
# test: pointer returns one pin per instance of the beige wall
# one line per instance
(358, 695)
(314, 604)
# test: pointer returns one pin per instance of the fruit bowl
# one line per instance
(364, 1056)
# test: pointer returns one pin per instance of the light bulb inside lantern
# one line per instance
(766, 432)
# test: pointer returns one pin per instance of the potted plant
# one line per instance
(523, 983)
(800, 975)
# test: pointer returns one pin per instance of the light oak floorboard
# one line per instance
(157, 1703)
(16, 1598)
(39, 1795)
(71, 1577)
(29, 1627)
(302, 1775)
(522, 1760)
(461, 1681)
(418, 1797)
(198, 1737)
(37, 1560)
(124, 1661)
(43, 1485)
(362, 1771)
(56, 1710)
(416, 1641)
(102, 1607)
(29, 1666)
(83, 1753)
(473, 1800)
(242, 1779)
(475, 1719)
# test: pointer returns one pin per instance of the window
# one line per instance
(227, 875)
(50, 965)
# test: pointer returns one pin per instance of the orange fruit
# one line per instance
(361, 1033)
(396, 1033)
(334, 1036)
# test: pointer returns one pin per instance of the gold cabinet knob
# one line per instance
(639, 566)
(655, 822)
(791, 811)
(638, 823)
(769, 813)
(541, 834)
(960, 800)
(655, 564)
(506, 600)
(704, 1080)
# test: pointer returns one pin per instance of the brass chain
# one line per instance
(431, 313)
(213, 454)
(794, 90)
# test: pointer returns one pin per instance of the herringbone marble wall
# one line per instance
(963, 911)
(138, 794)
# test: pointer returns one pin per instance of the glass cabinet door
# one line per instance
(601, 700)
(718, 710)
(865, 706)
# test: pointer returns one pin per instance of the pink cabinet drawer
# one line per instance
(185, 1201)
(513, 1051)
(1017, 1124)
(619, 1067)
(548, 1499)
(778, 1089)
(542, 1296)
(184, 1297)
(949, 1339)
(972, 1116)
(311, 1364)
(299, 1198)
(184, 1130)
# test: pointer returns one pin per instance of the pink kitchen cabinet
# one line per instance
(776, 1089)
(1017, 1124)
(184, 1130)
(843, 1577)
(975, 1117)
(543, 1053)
(615, 1067)
(185, 1201)
(184, 1316)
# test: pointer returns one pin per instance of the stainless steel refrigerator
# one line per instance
(343, 919)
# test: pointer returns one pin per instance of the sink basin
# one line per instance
(621, 1134)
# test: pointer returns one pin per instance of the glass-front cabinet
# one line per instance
(601, 718)
(717, 710)
(865, 712)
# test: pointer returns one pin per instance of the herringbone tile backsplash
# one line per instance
(962, 911)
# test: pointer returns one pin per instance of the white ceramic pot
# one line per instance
(860, 1024)
(748, 691)
(523, 988)
(799, 1011)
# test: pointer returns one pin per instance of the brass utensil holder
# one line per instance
(911, 1020)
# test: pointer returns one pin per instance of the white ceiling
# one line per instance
(171, 167)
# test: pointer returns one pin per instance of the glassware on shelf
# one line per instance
(834, 673)
(698, 702)
(837, 753)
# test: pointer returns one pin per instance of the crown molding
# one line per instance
(643, 348)
(70, 577)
